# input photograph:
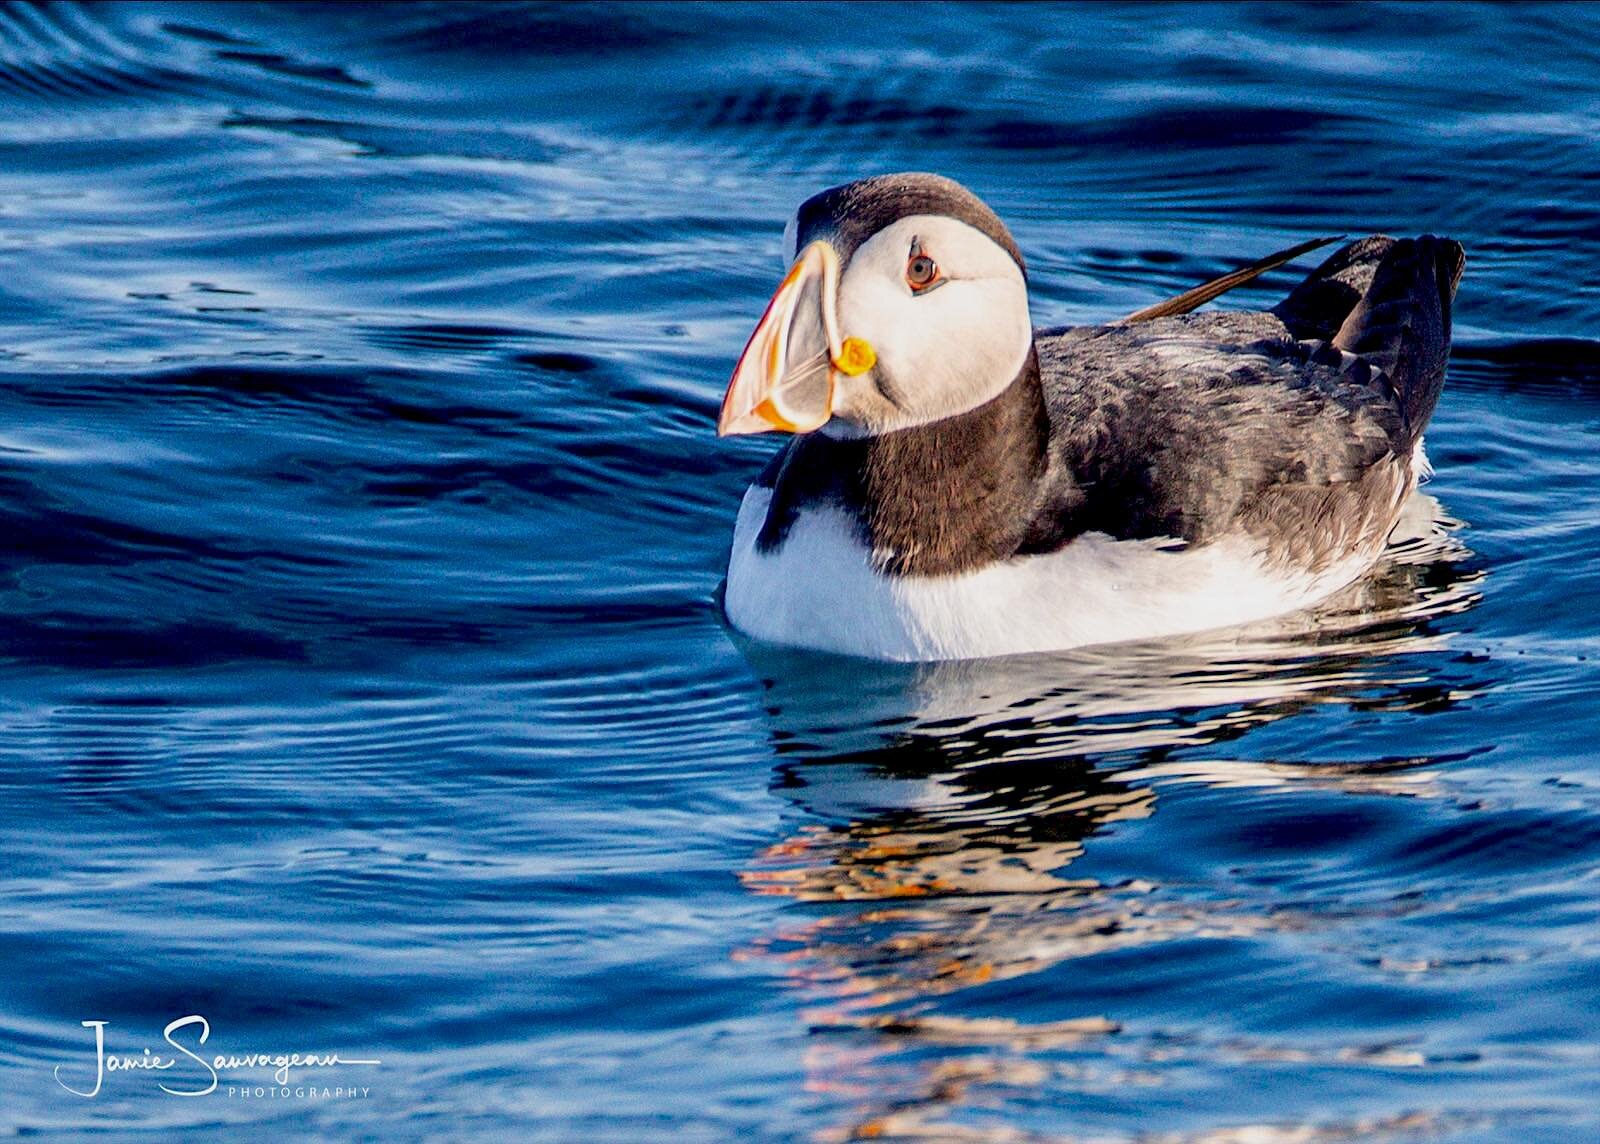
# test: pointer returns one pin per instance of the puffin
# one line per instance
(960, 485)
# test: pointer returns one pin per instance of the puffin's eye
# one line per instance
(922, 272)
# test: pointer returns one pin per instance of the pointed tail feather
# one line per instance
(1206, 291)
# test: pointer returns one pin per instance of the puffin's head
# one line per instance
(905, 302)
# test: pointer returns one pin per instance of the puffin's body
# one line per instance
(961, 485)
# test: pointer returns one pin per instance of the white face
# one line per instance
(942, 349)
(929, 320)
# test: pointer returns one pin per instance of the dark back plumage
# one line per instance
(1297, 426)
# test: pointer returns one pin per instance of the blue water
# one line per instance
(364, 689)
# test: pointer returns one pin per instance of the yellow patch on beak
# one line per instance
(855, 357)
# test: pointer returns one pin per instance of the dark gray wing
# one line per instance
(1296, 427)
(1401, 324)
(1206, 425)
(1389, 302)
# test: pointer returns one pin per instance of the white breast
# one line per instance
(819, 590)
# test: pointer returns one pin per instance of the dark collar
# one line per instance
(935, 499)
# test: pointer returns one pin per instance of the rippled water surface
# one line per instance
(361, 519)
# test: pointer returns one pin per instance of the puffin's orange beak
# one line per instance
(784, 379)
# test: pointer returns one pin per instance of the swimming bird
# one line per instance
(962, 485)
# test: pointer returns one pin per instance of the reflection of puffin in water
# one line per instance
(946, 809)
(964, 486)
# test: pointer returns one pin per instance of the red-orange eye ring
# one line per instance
(922, 272)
